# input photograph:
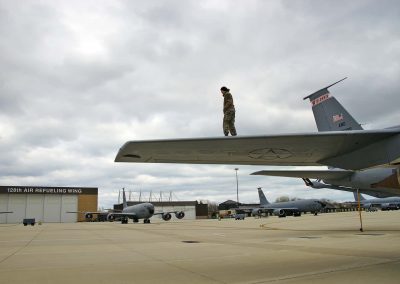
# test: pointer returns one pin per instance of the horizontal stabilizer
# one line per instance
(322, 91)
(317, 174)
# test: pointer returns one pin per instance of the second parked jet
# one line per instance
(290, 208)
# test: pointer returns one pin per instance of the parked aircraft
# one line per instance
(352, 150)
(139, 211)
(290, 208)
(330, 115)
(387, 203)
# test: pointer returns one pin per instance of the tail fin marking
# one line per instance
(124, 205)
(329, 114)
(263, 199)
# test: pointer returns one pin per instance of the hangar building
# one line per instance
(46, 204)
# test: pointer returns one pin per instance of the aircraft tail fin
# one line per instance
(356, 198)
(124, 205)
(329, 114)
(263, 199)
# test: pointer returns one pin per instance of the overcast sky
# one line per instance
(80, 78)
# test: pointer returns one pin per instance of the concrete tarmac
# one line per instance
(328, 248)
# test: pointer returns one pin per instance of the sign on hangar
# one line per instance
(46, 204)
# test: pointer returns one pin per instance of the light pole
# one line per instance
(237, 188)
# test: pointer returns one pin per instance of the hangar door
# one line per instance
(3, 207)
(17, 204)
(43, 207)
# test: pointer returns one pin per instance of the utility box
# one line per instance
(29, 221)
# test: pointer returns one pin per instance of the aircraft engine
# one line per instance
(256, 212)
(110, 217)
(317, 184)
(166, 216)
(88, 215)
(280, 213)
(367, 206)
(180, 214)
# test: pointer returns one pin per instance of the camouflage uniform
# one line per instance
(229, 114)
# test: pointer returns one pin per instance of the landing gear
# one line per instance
(135, 220)
(146, 221)
(124, 221)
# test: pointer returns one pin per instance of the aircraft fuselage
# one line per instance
(142, 211)
(307, 205)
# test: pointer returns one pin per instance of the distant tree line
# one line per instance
(285, 198)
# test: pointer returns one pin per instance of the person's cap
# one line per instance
(224, 89)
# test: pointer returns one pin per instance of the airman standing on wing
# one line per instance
(229, 113)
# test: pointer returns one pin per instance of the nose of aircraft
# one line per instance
(150, 208)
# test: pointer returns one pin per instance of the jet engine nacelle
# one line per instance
(389, 206)
(317, 184)
(110, 217)
(367, 206)
(88, 215)
(166, 216)
(180, 214)
(385, 206)
(279, 212)
(256, 212)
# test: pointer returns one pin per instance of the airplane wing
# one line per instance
(5, 212)
(166, 215)
(88, 212)
(166, 212)
(129, 215)
(287, 208)
(317, 174)
(348, 150)
(261, 210)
